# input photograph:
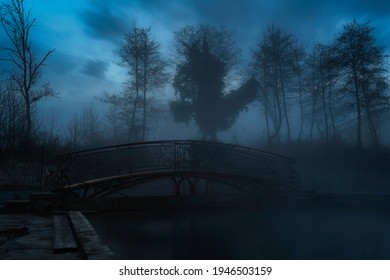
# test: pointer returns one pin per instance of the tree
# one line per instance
(319, 85)
(52, 129)
(207, 56)
(374, 84)
(115, 124)
(298, 68)
(330, 75)
(127, 109)
(90, 126)
(276, 62)
(17, 23)
(11, 118)
(362, 62)
(74, 132)
(147, 72)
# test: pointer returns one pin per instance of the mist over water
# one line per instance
(320, 233)
(269, 75)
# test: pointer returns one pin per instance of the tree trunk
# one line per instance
(358, 110)
(266, 104)
(325, 116)
(313, 108)
(372, 129)
(370, 121)
(27, 140)
(144, 109)
(301, 105)
(284, 102)
(145, 84)
(278, 123)
(330, 105)
(323, 98)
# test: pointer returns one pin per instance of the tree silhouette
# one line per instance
(200, 82)
(362, 63)
(276, 60)
(321, 82)
(25, 70)
(140, 54)
(12, 118)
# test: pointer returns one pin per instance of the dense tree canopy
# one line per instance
(208, 53)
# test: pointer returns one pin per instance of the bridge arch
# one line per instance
(107, 170)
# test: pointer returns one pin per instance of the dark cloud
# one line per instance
(95, 68)
(298, 14)
(103, 22)
(309, 19)
(370, 8)
(62, 64)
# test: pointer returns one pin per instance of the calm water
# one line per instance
(246, 234)
(10, 195)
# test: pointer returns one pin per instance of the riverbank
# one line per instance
(163, 227)
(29, 236)
(246, 233)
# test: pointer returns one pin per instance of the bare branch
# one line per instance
(37, 66)
(17, 23)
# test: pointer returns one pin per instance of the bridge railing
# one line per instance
(172, 156)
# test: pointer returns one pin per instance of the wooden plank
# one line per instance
(90, 244)
(63, 239)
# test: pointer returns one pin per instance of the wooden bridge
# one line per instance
(104, 171)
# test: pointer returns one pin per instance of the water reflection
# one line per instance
(14, 195)
(246, 234)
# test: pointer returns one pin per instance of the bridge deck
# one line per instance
(127, 165)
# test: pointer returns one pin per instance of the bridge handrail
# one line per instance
(210, 143)
(174, 155)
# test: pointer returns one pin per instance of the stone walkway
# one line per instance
(30, 237)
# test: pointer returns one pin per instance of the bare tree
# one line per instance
(275, 62)
(319, 82)
(52, 128)
(127, 109)
(11, 118)
(74, 132)
(298, 68)
(115, 124)
(24, 72)
(90, 126)
(146, 69)
(362, 62)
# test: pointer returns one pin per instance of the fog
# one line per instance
(87, 63)
(285, 105)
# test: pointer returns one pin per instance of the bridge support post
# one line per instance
(192, 187)
(177, 189)
(192, 190)
(177, 186)
(85, 192)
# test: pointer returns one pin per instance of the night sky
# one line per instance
(87, 35)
